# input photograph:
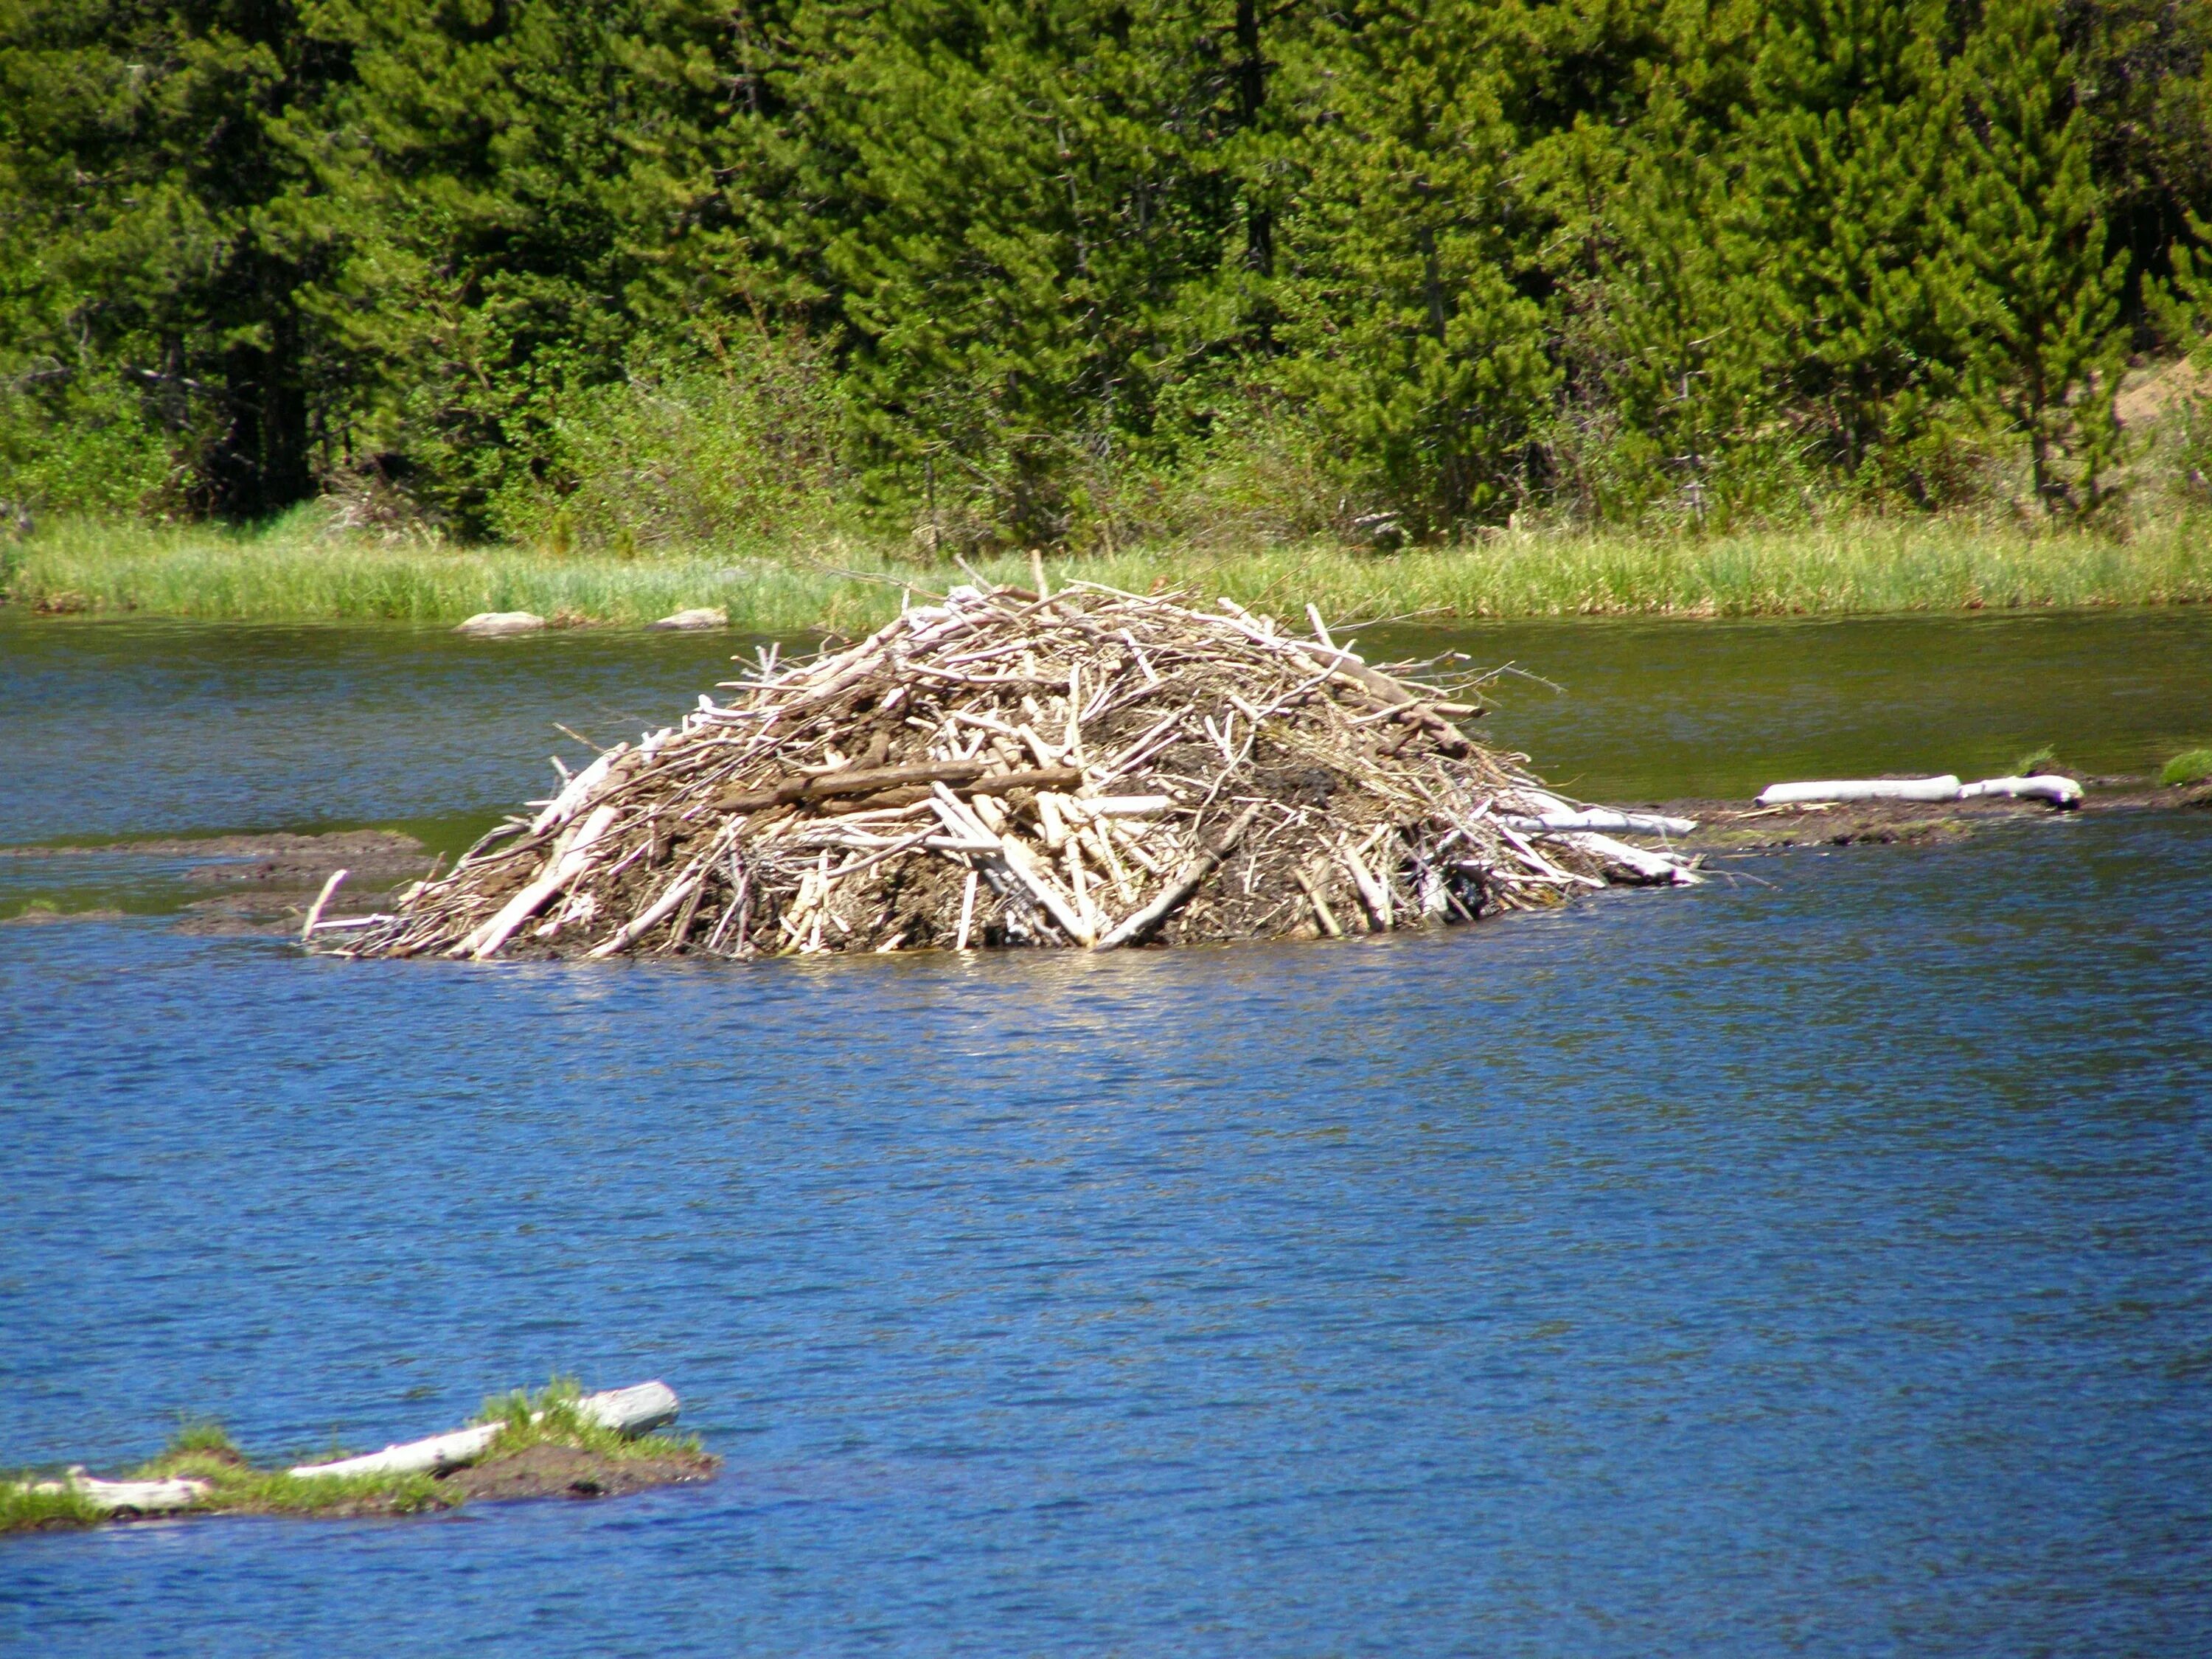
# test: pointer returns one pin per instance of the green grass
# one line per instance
(2040, 759)
(22, 1510)
(293, 570)
(2191, 766)
(236, 1487)
(202, 1450)
(549, 1417)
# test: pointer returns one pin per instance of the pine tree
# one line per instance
(1416, 342)
(146, 156)
(1834, 233)
(1665, 400)
(474, 186)
(1019, 223)
(2183, 303)
(2042, 292)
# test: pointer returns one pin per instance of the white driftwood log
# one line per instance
(636, 927)
(1114, 806)
(639, 1409)
(440, 1451)
(2060, 792)
(1545, 813)
(1600, 818)
(315, 911)
(565, 805)
(1926, 789)
(1650, 866)
(629, 1411)
(139, 1497)
(531, 900)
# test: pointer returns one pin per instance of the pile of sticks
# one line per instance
(1005, 767)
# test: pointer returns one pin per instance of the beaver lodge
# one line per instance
(1088, 767)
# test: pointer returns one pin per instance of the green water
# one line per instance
(131, 728)
(1650, 710)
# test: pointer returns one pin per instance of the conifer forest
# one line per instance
(631, 273)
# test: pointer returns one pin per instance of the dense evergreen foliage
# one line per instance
(644, 271)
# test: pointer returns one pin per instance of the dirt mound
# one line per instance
(551, 1471)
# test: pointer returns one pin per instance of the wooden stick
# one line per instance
(1071, 918)
(1137, 928)
(636, 927)
(869, 780)
(1321, 912)
(1372, 893)
(567, 864)
(966, 909)
(315, 910)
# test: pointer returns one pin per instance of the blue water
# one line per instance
(1821, 1262)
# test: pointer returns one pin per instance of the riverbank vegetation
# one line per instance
(619, 279)
(301, 569)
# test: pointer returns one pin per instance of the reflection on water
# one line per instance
(1816, 1262)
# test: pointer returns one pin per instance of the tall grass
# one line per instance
(298, 570)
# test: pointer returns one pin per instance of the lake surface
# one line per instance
(1818, 1261)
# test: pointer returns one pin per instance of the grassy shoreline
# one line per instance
(296, 571)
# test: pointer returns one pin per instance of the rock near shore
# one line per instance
(495, 625)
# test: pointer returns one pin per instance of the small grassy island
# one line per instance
(556, 1442)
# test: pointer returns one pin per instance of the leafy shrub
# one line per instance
(740, 446)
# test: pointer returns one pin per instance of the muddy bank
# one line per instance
(254, 883)
(553, 1471)
(1728, 826)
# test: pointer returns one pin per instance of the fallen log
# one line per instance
(2044, 786)
(1600, 819)
(1924, 789)
(120, 1498)
(628, 1411)
(1657, 867)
